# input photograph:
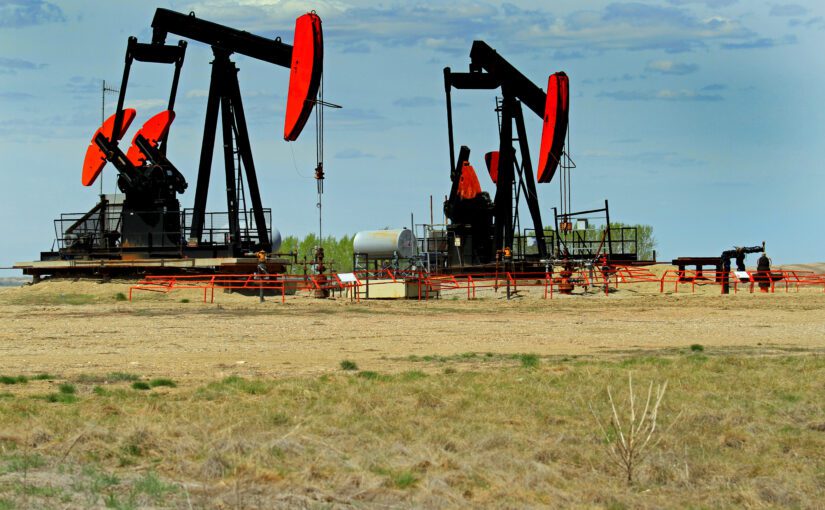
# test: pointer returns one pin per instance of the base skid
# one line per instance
(137, 268)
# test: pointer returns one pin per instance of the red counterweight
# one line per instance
(153, 130)
(95, 159)
(468, 185)
(491, 158)
(556, 114)
(305, 74)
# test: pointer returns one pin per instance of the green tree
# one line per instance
(337, 251)
(645, 240)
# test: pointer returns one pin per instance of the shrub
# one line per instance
(348, 365)
(630, 438)
(7, 379)
(67, 389)
(61, 398)
(404, 480)
(529, 360)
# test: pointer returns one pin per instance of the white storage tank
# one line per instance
(383, 244)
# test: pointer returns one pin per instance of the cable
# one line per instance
(295, 164)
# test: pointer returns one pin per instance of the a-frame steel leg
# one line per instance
(245, 150)
(225, 95)
(504, 186)
(227, 119)
(531, 196)
(207, 147)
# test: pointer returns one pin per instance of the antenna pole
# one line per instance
(103, 90)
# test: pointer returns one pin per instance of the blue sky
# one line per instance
(703, 118)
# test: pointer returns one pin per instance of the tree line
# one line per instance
(338, 251)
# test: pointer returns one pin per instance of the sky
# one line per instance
(702, 118)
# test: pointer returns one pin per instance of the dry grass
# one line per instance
(750, 434)
(448, 403)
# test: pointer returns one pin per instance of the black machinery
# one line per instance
(722, 266)
(147, 220)
(485, 227)
(484, 232)
(150, 210)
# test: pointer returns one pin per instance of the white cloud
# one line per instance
(670, 67)
(661, 95)
(146, 104)
(196, 93)
(450, 27)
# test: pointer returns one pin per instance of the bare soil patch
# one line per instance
(157, 335)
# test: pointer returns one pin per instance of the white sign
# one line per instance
(742, 275)
(347, 278)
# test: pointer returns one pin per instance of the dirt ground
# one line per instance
(71, 328)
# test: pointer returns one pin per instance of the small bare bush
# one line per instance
(629, 442)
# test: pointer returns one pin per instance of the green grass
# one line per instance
(184, 300)
(89, 378)
(154, 383)
(19, 462)
(60, 398)
(141, 385)
(43, 377)
(279, 418)
(526, 360)
(400, 479)
(411, 375)
(67, 389)
(697, 347)
(154, 487)
(348, 365)
(404, 480)
(36, 491)
(232, 385)
(7, 379)
(112, 500)
(635, 361)
(122, 377)
(120, 296)
(529, 360)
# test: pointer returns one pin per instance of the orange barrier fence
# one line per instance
(356, 284)
(766, 280)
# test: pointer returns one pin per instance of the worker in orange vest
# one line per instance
(261, 271)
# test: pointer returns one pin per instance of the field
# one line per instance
(169, 402)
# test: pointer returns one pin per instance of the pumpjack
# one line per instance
(148, 222)
(484, 228)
